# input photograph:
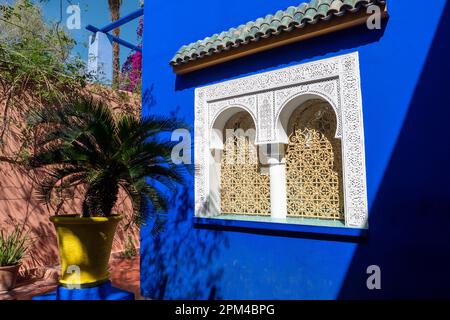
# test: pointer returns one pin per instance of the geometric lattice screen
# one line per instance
(244, 187)
(314, 163)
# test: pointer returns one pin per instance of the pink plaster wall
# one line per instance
(20, 207)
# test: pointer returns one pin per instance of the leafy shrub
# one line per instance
(13, 247)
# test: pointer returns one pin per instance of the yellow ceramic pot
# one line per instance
(84, 246)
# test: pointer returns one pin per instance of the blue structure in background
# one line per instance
(404, 74)
(116, 24)
(100, 58)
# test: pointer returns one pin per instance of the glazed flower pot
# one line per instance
(84, 247)
(8, 277)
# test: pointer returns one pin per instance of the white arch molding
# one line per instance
(265, 96)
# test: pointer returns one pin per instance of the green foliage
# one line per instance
(13, 247)
(83, 143)
(32, 50)
(35, 61)
(130, 250)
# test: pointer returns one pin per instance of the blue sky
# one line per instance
(94, 12)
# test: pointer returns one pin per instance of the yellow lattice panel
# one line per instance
(244, 189)
(313, 164)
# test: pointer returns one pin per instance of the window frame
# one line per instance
(265, 96)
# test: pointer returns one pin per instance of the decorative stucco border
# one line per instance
(264, 95)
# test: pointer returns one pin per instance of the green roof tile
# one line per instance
(270, 25)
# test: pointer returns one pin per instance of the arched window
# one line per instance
(314, 163)
(309, 123)
(244, 184)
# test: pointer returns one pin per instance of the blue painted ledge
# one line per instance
(103, 291)
(283, 229)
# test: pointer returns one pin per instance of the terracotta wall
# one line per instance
(19, 205)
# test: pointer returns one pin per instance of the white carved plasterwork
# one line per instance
(200, 154)
(327, 89)
(247, 102)
(265, 120)
(264, 95)
(353, 143)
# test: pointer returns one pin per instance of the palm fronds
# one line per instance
(84, 143)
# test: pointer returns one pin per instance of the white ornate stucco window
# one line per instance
(306, 122)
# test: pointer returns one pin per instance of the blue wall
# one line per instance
(406, 114)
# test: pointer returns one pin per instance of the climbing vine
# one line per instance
(132, 67)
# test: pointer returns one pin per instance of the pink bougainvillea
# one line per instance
(132, 68)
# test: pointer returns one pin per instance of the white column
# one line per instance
(214, 202)
(100, 59)
(277, 171)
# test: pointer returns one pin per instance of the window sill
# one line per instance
(306, 228)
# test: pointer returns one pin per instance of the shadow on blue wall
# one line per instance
(409, 235)
(179, 262)
(286, 55)
(410, 218)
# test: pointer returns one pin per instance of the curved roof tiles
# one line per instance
(271, 25)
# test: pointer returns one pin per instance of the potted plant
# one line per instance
(13, 248)
(85, 145)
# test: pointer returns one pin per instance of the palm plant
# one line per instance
(114, 9)
(85, 144)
